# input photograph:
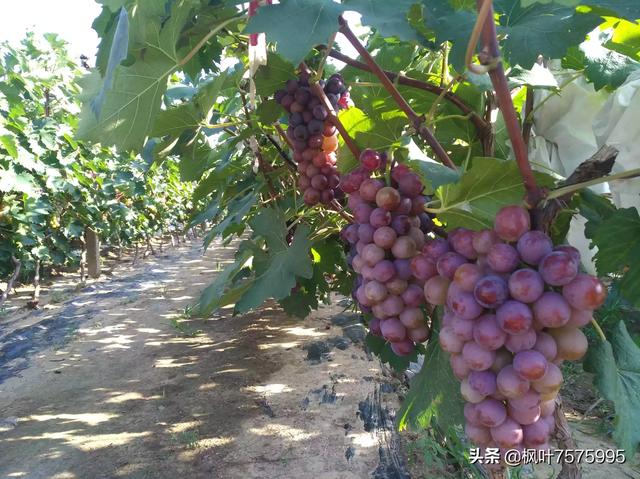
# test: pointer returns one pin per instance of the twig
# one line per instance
(332, 117)
(490, 57)
(417, 121)
(16, 272)
(598, 166)
(288, 161)
(623, 175)
(482, 127)
(338, 207)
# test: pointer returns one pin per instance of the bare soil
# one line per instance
(112, 381)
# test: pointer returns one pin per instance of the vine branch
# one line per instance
(482, 127)
(490, 57)
(416, 120)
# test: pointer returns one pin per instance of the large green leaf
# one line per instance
(273, 75)
(124, 112)
(388, 18)
(616, 366)
(482, 190)
(297, 25)
(539, 29)
(382, 348)
(616, 238)
(276, 268)
(434, 394)
(602, 67)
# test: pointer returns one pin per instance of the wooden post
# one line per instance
(93, 253)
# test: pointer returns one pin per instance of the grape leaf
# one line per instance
(602, 66)
(388, 18)
(616, 238)
(273, 75)
(616, 366)
(297, 25)
(269, 111)
(482, 190)
(276, 268)
(435, 174)
(434, 394)
(540, 30)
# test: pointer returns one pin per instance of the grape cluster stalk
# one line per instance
(314, 138)
(386, 238)
(513, 308)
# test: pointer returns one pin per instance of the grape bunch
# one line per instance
(313, 137)
(514, 305)
(385, 241)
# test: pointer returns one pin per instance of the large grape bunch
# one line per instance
(513, 308)
(388, 234)
(313, 137)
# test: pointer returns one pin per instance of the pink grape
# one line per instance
(491, 412)
(463, 328)
(448, 263)
(546, 345)
(372, 254)
(483, 382)
(459, 366)
(526, 285)
(503, 258)
(371, 160)
(536, 433)
(369, 188)
(461, 241)
(410, 185)
(449, 342)
(468, 393)
(490, 291)
(508, 434)
(375, 291)
(533, 246)
(388, 198)
(435, 290)
(524, 416)
(510, 383)
(463, 304)
(384, 271)
(393, 305)
(551, 310)
(570, 250)
(396, 286)
(362, 212)
(403, 268)
(514, 317)
(379, 217)
(385, 237)
(435, 248)
(413, 296)
(520, 342)
(478, 434)
(477, 357)
(412, 317)
(484, 240)
(374, 327)
(393, 330)
(402, 348)
(419, 334)
(547, 408)
(585, 292)
(512, 222)
(558, 268)
(550, 382)
(530, 365)
(466, 276)
(404, 247)
(401, 224)
(487, 333)
(471, 414)
(571, 342)
(423, 267)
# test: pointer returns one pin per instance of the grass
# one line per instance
(59, 296)
(180, 323)
(188, 439)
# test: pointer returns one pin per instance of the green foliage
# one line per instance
(618, 249)
(434, 397)
(616, 366)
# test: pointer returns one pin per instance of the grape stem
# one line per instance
(598, 329)
(283, 135)
(333, 118)
(416, 120)
(565, 190)
(482, 127)
(490, 57)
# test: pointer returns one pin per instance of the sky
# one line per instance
(71, 19)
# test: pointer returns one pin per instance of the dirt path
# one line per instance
(104, 385)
